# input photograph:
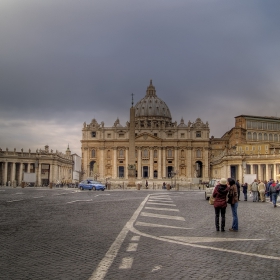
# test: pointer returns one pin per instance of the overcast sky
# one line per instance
(65, 62)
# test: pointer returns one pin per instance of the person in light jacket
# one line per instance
(261, 189)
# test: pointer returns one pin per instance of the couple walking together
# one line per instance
(226, 193)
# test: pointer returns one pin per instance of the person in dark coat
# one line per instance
(245, 189)
(238, 189)
(220, 203)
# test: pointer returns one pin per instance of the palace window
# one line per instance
(93, 153)
(269, 126)
(260, 136)
(265, 137)
(155, 153)
(109, 135)
(198, 134)
(255, 136)
(260, 125)
(121, 135)
(182, 135)
(169, 153)
(270, 137)
(121, 153)
(275, 137)
(249, 124)
(249, 136)
(93, 134)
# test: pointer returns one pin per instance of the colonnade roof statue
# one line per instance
(152, 107)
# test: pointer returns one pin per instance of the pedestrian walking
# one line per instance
(233, 201)
(244, 190)
(255, 190)
(238, 189)
(220, 203)
(261, 189)
(274, 190)
(146, 184)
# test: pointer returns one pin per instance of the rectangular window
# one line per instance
(109, 135)
(121, 135)
(93, 134)
(169, 135)
(247, 148)
(155, 134)
(266, 147)
(182, 135)
(198, 134)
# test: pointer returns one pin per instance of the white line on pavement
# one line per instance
(132, 247)
(161, 209)
(135, 238)
(161, 200)
(79, 201)
(145, 214)
(103, 267)
(157, 203)
(126, 263)
(158, 225)
(15, 200)
(38, 196)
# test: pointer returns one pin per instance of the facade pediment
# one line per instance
(147, 137)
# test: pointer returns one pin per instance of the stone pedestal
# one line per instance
(131, 175)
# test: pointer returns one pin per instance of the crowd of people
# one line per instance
(227, 191)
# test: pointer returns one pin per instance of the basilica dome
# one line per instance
(152, 107)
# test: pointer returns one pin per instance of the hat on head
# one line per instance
(223, 181)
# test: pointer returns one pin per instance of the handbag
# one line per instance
(211, 200)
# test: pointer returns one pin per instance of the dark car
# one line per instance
(91, 185)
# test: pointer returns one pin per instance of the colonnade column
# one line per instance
(28, 167)
(20, 173)
(274, 171)
(240, 173)
(266, 172)
(151, 173)
(159, 164)
(139, 173)
(39, 173)
(13, 173)
(51, 174)
(114, 163)
(164, 162)
(5, 178)
(251, 169)
(176, 159)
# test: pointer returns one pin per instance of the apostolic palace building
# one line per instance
(151, 146)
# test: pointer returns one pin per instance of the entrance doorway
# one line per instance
(145, 171)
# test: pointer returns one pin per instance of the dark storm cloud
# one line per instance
(66, 62)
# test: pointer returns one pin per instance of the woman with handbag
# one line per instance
(233, 201)
(220, 203)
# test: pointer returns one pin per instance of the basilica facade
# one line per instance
(164, 149)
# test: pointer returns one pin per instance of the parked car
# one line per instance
(210, 187)
(91, 185)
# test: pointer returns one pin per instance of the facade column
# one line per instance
(151, 173)
(206, 164)
(114, 163)
(28, 167)
(126, 163)
(101, 166)
(5, 177)
(176, 159)
(251, 168)
(139, 171)
(164, 162)
(189, 162)
(51, 174)
(159, 164)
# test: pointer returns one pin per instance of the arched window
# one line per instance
(265, 137)
(270, 137)
(169, 153)
(275, 137)
(155, 154)
(249, 136)
(255, 136)
(260, 136)
(198, 153)
(93, 153)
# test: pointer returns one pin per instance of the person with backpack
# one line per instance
(274, 191)
(233, 201)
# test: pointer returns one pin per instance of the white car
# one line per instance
(210, 187)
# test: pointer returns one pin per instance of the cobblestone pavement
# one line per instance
(71, 234)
